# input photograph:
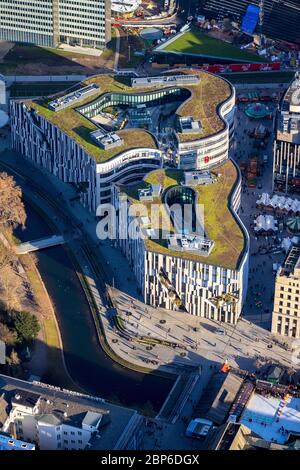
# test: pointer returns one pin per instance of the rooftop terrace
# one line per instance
(206, 96)
(220, 224)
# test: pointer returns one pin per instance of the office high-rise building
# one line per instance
(286, 312)
(50, 22)
(84, 22)
(286, 166)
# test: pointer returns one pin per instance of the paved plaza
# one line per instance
(264, 251)
(200, 342)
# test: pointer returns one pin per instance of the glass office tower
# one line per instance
(50, 22)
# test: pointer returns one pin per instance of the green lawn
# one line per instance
(197, 43)
(220, 223)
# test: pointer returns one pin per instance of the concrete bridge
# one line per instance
(40, 244)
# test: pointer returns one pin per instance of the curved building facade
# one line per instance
(64, 136)
(202, 276)
(207, 152)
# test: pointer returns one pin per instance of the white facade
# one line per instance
(50, 22)
(29, 21)
(49, 147)
(72, 421)
(85, 22)
(195, 282)
(210, 151)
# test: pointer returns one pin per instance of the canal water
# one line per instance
(86, 362)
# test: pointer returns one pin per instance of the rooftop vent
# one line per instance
(72, 98)
(188, 125)
(106, 140)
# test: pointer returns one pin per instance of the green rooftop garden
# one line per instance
(195, 42)
(205, 97)
(221, 225)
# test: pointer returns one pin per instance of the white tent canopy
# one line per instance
(265, 223)
(279, 202)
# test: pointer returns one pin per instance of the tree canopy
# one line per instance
(12, 211)
(27, 326)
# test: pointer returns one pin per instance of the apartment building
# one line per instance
(56, 419)
(286, 310)
(51, 22)
(286, 164)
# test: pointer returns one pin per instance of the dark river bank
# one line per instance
(86, 362)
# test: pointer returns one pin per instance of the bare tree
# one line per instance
(14, 358)
(12, 211)
(8, 336)
(7, 256)
(10, 283)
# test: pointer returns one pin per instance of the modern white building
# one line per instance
(53, 419)
(205, 274)
(51, 22)
(65, 141)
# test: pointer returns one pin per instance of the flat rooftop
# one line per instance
(291, 262)
(220, 224)
(206, 95)
(266, 416)
(51, 400)
(9, 443)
